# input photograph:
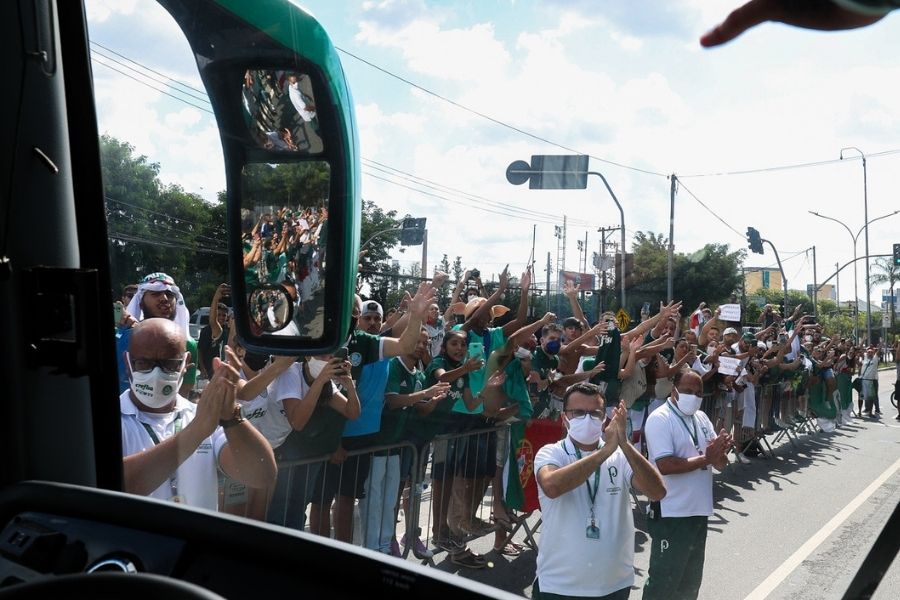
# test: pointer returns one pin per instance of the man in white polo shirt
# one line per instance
(681, 441)
(587, 538)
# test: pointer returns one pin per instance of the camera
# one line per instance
(475, 273)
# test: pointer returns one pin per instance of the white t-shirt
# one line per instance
(668, 433)
(569, 562)
(196, 481)
(266, 411)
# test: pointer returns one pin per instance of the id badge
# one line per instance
(592, 532)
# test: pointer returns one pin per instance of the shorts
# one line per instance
(347, 479)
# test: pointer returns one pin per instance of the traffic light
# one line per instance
(754, 240)
(413, 232)
(897, 255)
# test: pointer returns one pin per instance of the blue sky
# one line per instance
(625, 82)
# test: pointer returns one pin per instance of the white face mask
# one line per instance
(315, 366)
(586, 430)
(688, 403)
(157, 388)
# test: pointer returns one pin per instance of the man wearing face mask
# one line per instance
(583, 488)
(545, 364)
(172, 448)
(682, 442)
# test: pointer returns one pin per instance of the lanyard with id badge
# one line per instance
(693, 435)
(173, 479)
(592, 531)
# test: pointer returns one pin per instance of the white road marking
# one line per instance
(781, 573)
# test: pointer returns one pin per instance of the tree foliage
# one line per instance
(709, 275)
(157, 227)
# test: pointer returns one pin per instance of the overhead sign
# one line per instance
(622, 319)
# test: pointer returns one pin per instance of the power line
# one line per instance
(805, 165)
(393, 171)
(711, 211)
(125, 237)
(494, 120)
(204, 98)
(152, 87)
(143, 66)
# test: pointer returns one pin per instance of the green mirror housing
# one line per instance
(289, 137)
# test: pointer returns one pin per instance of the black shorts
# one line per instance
(348, 478)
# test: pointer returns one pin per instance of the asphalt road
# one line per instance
(797, 525)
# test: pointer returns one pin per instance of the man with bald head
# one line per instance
(173, 448)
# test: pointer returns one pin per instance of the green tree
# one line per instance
(886, 273)
(709, 275)
(156, 227)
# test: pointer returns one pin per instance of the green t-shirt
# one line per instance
(401, 381)
(190, 377)
(362, 349)
(480, 346)
(440, 420)
(610, 352)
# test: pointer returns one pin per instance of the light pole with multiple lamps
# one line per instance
(854, 239)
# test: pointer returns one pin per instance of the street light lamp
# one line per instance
(566, 172)
(866, 228)
(854, 239)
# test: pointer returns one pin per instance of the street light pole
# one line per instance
(866, 227)
(622, 225)
(854, 239)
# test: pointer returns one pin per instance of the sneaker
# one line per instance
(479, 527)
(743, 459)
(419, 549)
(395, 547)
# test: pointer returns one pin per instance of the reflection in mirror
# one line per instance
(280, 111)
(271, 310)
(284, 230)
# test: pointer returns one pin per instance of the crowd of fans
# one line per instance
(286, 247)
(414, 375)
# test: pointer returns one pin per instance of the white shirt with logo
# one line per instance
(568, 561)
(196, 481)
(266, 411)
(669, 433)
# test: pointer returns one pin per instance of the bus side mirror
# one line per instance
(288, 132)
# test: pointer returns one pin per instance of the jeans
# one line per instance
(376, 510)
(293, 491)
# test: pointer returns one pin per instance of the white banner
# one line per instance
(728, 365)
(730, 312)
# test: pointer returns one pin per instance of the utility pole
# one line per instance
(425, 254)
(669, 275)
(548, 282)
(837, 287)
(815, 286)
(603, 231)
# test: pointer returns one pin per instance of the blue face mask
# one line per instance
(553, 346)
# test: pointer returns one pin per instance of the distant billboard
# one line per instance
(582, 281)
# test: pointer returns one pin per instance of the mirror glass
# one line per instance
(272, 309)
(279, 109)
(284, 231)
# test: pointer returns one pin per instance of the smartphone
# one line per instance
(118, 307)
(646, 309)
(341, 353)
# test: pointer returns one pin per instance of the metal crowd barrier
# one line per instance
(448, 478)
